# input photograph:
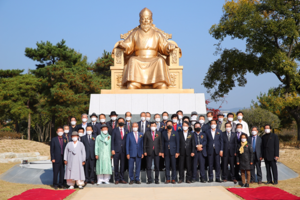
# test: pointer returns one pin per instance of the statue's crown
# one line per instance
(145, 11)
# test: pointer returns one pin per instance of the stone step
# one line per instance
(19, 159)
(9, 155)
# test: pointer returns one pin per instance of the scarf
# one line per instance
(103, 137)
(242, 147)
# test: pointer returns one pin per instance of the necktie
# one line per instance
(143, 127)
(89, 139)
(153, 137)
(228, 136)
(121, 131)
(128, 126)
(113, 125)
(253, 145)
(157, 126)
(136, 138)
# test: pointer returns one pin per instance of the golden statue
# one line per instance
(146, 48)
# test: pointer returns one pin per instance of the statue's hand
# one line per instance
(121, 45)
(171, 47)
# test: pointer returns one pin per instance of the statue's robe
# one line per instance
(145, 66)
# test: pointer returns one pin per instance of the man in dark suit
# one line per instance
(163, 127)
(214, 150)
(112, 124)
(165, 117)
(102, 121)
(179, 113)
(186, 152)
(72, 126)
(176, 126)
(229, 152)
(170, 148)
(256, 143)
(239, 128)
(84, 119)
(57, 149)
(270, 153)
(152, 151)
(80, 133)
(96, 129)
(67, 133)
(200, 140)
(134, 150)
(159, 125)
(230, 117)
(143, 124)
(209, 116)
(118, 150)
(128, 123)
(89, 143)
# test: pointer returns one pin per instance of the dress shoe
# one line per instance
(188, 181)
(243, 185)
(85, 182)
(246, 185)
(193, 181)
(167, 181)
(225, 180)
(203, 180)
(210, 180)
(55, 187)
(219, 181)
(235, 181)
(123, 182)
(92, 182)
(116, 182)
(251, 182)
(131, 182)
(180, 181)
(269, 182)
(138, 182)
(149, 182)
(275, 182)
(173, 181)
(259, 182)
(156, 182)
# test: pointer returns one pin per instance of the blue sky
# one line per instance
(93, 26)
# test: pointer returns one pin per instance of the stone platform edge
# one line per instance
(148, 91)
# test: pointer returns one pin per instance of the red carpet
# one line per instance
(264, 192)
(43, 194)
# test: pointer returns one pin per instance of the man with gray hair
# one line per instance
(84, 119)
(256, 143)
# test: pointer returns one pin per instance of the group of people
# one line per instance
(82, 153)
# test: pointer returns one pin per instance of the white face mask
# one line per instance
(128, 118)
(134, 129)
(239, 130)
(60, 133)
(193, 122)
(102, 120)
(94, 119)
(165, 117)
(201, 121)
(84, 119)
(148, 119)
(153, 128)
(73, 123)
(180, 116)
(194, 117)
(230, 119)
(74, 139)
(174, 120)
(213, 126)
(80, 134)
(143, 118)
(113, 118)
(220, 119)
(104, 132)
(267, 130)
(228, 129)
(240, 117)
(244, 139)
(209, 118)
(89, 132)
(254, 132)
(185, 128)
(157, 119)
(66, 131)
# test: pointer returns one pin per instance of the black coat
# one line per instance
(96, 130)
(149, 143)
(229, 147)
(109, 126)
(187, 146)
(271, 150)
(246, 158)
(55, 149)
(89, 146)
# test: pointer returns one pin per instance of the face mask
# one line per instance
(128, 118)
(240, 117)
(121, 124)
(157, 119)
(74, 139)
(180, 116)
(153, 128)
(94, 119)
(174, 120)
(254, 132)
(113, 118)
(239, 130)
(148, 119)
(102, 120)
(230, 119)
(213, 126)
(169, 127)
(80, 134)
(84, 119)
(201, 121)
(185, 128)
(209, 118)
(267, 130)
(89, 132)
(197, 129)
(143, 118)
(244, 139)
(134, 129)
(165, 117)
(73, 123)
(60, 133)
(194, 117)
(220, 119)
(104, 132)
(193, 122)
(228, 129)
(66, 131)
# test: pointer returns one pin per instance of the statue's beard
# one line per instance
(146, 27)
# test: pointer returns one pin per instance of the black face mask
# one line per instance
(197, 129)
(121, 124)
(169, 127)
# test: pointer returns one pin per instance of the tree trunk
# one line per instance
(17, 126)
(298, 129)
(29, 125)
(296, 115)
(52, 134)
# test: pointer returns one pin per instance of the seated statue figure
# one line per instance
(146, 66)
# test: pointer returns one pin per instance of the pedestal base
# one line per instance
(148, 91)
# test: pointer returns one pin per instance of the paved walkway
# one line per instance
(180, 193)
